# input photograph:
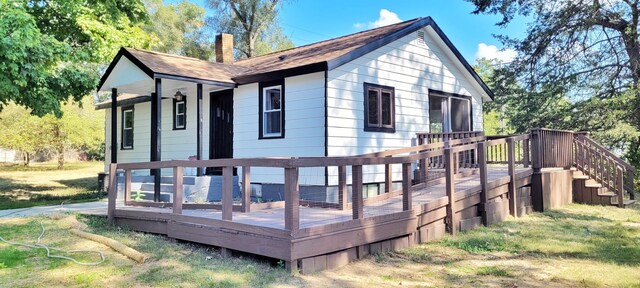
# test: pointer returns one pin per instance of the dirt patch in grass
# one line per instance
(578, 246)
(43, 184)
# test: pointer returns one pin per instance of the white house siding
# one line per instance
(176, 144)
(304, 128)
(412, 68)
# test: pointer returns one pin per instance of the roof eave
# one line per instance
(281, 74)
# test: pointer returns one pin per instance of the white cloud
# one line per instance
(492, 52)
(385, 18)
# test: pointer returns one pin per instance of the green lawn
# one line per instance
(43, 184)
(577, 246)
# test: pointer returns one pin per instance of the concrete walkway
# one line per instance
(92, 208)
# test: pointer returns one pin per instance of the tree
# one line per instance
(50, 51)
(20, 131)
(585, 51)
(79, 128)
(252, 23)
(180, 28)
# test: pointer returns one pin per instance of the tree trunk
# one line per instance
(60, 157)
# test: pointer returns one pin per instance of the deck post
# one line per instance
(113, 191)
(357, 203)
(291, 201)
(227, 193)
(114, 125)
(482, 162)
(511, 158)
(342, 187)
(407, 202)
(127, 186)
(525, 153)
(199, 126)
(536, 164)
(620, 186)
(388, 178)
(156, 135)
(246, 189)
(178, 173)
(450, 190)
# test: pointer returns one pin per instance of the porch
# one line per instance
(477, 182)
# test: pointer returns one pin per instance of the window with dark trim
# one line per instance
(127, 128)
(180, 114)
(271, 110)
(379, 108)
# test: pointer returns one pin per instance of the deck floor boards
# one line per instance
(313, 216)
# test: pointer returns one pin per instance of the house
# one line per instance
(361, 93)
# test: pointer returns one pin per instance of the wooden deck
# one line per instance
(433, 194)
(481, 181)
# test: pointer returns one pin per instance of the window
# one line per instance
(449, 112)
(127, 128)
(379, 108)
(179, 114)
(272, 110)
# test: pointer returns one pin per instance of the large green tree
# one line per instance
(180, 28)
(583, 52)
(51, 50)
(252, 23)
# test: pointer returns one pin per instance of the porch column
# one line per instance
(156, 131)
(199, 127)
(114, 126)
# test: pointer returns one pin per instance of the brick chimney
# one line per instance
(224, 48)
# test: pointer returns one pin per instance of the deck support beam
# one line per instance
(199, 126)
(450, 190)
(227, 193)
(511, 158)
(114, 126)
(357, 203)
(156, 135)
(342, 187)
(292, 201)
(246, 189)
(482, 163)
(113, 192)
(178, 173)
(407, 202)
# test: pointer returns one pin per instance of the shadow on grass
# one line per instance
(87, 183)
(558, 215)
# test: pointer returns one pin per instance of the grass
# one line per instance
(577, 246)
(43, 184)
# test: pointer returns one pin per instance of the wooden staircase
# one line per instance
(600, 177)
(589, 191)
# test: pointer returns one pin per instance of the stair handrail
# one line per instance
(628, 170)
(587, 140)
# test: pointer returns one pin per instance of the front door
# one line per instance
(221, 125)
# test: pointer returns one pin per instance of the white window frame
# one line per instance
(183, 114)
(125, 128)
(265, 98)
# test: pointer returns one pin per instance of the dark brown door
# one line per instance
(221, 134)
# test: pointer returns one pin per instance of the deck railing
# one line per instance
(405, 157)
(604, 167)
(551, 148)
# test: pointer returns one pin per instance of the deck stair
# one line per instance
(600, 177)
(589, 191)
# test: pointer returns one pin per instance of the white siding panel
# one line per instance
(304, 128)
(412, 69)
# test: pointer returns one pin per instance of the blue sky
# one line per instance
(308, 21)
